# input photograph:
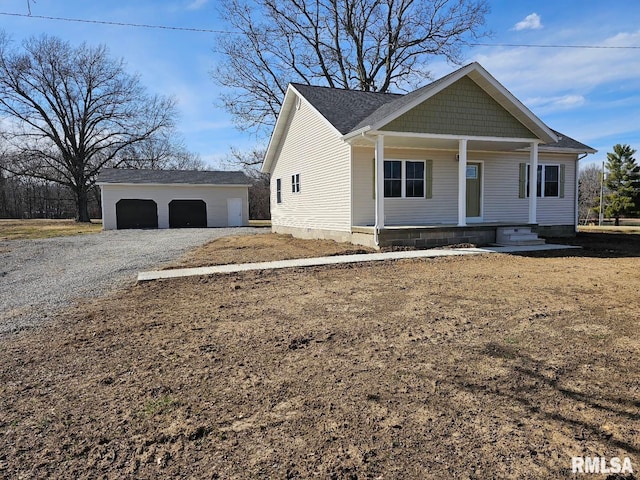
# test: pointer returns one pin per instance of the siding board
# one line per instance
(501, 196)
(316, 152)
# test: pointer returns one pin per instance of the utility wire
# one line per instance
(552, 46)
(207, 30)
(118, 24)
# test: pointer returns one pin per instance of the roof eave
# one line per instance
(281, 122)
(278, 129)
(160, 184)
(542, 148)
(356, 133)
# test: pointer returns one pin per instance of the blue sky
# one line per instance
(592, 95)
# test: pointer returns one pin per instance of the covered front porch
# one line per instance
(487, 168)
(404, 140)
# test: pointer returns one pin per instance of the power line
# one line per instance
(207, 30)
(117, 24)
(629, 47)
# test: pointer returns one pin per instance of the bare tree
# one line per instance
(589, 182)
(250, 161)
(370, 45)
(72, 111)
(166, 151)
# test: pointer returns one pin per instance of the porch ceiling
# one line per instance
(391, 141)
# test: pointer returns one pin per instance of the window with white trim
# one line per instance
(404, 178)
(548, 181)
(392, 178)
(295, 183)
(278, 190)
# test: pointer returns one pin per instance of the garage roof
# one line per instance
(163, 177)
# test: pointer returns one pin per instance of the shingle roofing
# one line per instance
(344, 108)
(351, 110)
(187, 177)
(566, 142)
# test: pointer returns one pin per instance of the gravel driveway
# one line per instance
(38, 277)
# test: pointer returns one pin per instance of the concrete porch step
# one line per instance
(513, 230)
(523, 236)
(517, 236)
(520, 243)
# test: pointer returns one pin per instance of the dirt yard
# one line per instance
(263, 248)
(481, 367)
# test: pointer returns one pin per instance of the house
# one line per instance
(173, 198)
(447, 163)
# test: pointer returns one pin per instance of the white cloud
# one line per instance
(540, 72)
(555, 104)
(530, 22)
(591, 94)
(197, 4)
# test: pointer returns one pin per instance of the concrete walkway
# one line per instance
(366, 257)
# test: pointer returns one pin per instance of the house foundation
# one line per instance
(437, 236)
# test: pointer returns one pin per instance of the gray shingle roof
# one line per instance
(350, 110)
(344, 109)
(189, 177)
(566, 142)
(398, 103)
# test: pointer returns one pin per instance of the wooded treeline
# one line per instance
(27, 197)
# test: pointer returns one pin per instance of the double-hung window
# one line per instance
(404, 179)
(392, 178)
(414, 183)
(295, 183)
(278, 190)
(548, 180)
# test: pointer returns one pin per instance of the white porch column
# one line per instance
(462, 182)
(533, 183)
(379, 192)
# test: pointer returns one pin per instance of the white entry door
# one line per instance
(234, 212)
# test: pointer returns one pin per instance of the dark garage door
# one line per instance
(132, 213)
(187, 213)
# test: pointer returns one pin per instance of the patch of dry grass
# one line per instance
(42, 228)
(609, 229)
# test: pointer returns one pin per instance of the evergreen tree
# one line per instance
(623, 182)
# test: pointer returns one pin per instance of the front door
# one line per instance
(474, 191)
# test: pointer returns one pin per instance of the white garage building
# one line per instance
(173, 198)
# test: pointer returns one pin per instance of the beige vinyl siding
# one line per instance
(501, 195)
(315, 151)
(440, 209)
(501, 202)
(559, 211)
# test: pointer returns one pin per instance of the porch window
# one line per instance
(404, 179)
(415, 179)
(551, 181)
(392, 178)
(278, 190)
(548, 181)
(295, 183)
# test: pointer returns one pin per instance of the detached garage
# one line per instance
(173, 198)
